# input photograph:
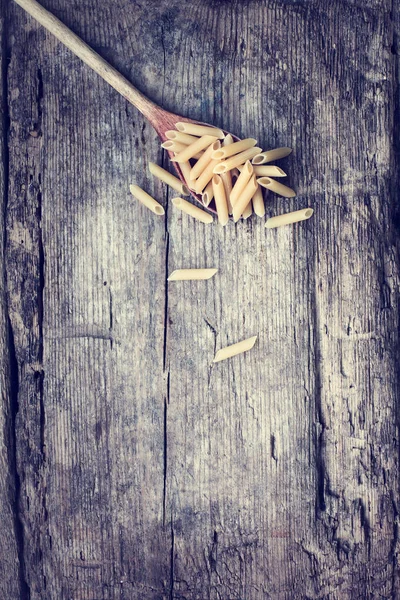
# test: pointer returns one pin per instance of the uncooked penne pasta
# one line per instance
(227, 181)
(182, 138)
(192, 210)
(178, 147)
(201, 164)
(235, 173)
(220, 200)
(267, 171)
(258, 202)
(208, 194)
(168, 178)
(289, 218)
(275, 186)
(191, 150)
(248, 211)
(244, 198)
(191, 274)
(200, 130)
(146, 199)
(227, 176)
(228, 140)
(241, 182)
(270, 155)
(236, 161)
(235, 349)
(205, 177)
(234, 148)
(185, 168)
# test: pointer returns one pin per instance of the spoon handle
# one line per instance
(148, 108)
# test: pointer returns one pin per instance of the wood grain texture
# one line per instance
(11, 575)
(146, 471)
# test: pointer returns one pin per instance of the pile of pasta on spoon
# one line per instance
(230, 173)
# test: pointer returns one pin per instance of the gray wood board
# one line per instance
(145, 471)
(11, 575)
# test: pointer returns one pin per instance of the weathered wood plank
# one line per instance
(145, 471)
(90, 426)
(11, 574)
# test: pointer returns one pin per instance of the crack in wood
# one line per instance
(166, 297)
(165, 461)
(172, 562)
(14, 406)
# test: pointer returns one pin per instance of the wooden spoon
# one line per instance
(160, 119)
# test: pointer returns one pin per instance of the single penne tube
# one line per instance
(267, 171)
(205, 177)
(275, 186)
(178, 147)
(182, 138)
(185, 168)
(199, 130)
(234, 148)
(227, 176)
(168, 178)
(191, 150)
(270, 155)
(208, 194)
(201, 164)
(146, 199)
(227, 181)
(258, 202)
(235, 161)
(244, 198)
(248, 211)
(235, 349)
(191, 274)
(289, 218)
(192, 210)
(241, 182)
(220, 200)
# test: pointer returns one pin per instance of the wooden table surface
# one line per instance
(131, 468)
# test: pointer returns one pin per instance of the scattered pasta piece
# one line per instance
(289, 218)
(248, 211)
(179, 136)
(208, 194)
(275, 186)
(205, 177)
(227, 176)
(258, 202)
(185, 168)
(241, 182)
(235, 349)
(234, 148)
(199, 130)
(245, 197)
(178, 147)
(270, 155)
(192, 210)
(191, 274)
(146, 199)
(267, 171)
(220, 200)
(236, 161)
(169, 179)
(191, 150)
(202, 163)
